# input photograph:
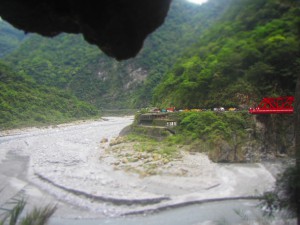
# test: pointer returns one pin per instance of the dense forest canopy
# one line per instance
(23, 102)
(252, 51)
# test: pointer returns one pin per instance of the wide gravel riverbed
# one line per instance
(65, 165)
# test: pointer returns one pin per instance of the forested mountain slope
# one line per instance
(23, 102)
(67, 62)
(252, 51)
(227, 53)
(10, 38)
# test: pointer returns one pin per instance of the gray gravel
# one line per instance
(62, 165)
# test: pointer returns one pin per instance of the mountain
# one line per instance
(226, 53)
(23, 102)
(68, 63)
(10, 38)
(252, 51)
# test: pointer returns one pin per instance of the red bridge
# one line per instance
(280, 105)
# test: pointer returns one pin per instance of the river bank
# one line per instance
(70, 167)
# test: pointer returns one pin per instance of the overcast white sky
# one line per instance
(197, 1)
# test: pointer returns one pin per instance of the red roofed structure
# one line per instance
(279, 105)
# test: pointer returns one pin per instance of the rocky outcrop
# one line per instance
(117, 27)
(273, 136)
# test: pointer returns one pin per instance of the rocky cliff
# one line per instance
(273, 136)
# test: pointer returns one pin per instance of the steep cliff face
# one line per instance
(274, 134)
(270, 137)
(131, 75)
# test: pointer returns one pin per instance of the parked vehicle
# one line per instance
(221, 109)
(171, 109)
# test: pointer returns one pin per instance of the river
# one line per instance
(62, 165)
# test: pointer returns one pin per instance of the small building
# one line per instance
(157, 119)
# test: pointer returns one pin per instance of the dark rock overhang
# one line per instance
(117, 27)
